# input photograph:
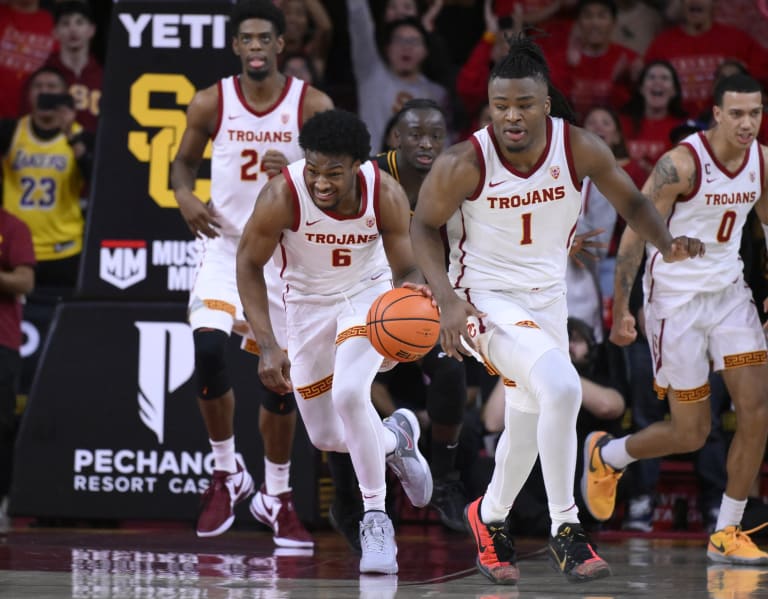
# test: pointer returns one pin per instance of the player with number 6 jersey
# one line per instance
(253, 120)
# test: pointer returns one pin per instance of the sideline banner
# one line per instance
(137, 246)
(112, 429)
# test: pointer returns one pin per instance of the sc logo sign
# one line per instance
(159, 149)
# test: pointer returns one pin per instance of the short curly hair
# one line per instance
(336, 133)
(256, 9)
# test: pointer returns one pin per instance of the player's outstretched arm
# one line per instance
(454, 177)
(674, 170)
(273, 213)
(202, 114)
(395, 222)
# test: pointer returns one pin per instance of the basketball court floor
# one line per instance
(52, 563)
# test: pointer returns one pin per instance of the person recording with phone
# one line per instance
(46, 159)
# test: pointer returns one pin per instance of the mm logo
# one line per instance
(166, 362)
(123, 262)
(158, 147)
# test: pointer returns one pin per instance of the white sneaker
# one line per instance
(406, 461)
(377, 540)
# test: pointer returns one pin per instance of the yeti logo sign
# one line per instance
(123, 263)
(166, 362)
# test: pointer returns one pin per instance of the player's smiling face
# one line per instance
(519, 108)
(257, 44)
(330, 181)
(739, 117)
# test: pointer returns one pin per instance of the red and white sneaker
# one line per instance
(277, 512)
(217, 505)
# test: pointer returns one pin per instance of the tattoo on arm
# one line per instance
(664, 173)
(627, 263)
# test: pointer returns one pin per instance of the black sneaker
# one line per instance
(449, 499)
(347, 525)
(572, 554)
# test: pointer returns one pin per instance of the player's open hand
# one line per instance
(682, 248)
(581, 245)
(623, 331)
(200, 218)
(453, 328)
(421, 288)
(273, 162)
(275, 370)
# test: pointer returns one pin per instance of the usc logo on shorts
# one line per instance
(158, 142)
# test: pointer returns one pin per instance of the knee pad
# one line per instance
(278, 404)
(210, 367)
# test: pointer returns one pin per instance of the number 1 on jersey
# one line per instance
(526, 238)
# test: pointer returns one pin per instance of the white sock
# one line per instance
(373, 499)
(224, 455)
(614, 453)
(276, 477)
(560, 514)
(390, 441)
(731, 512)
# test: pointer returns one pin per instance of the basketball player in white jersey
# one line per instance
(512, 194)
(341, 227)
(697, 312)
(253, 120)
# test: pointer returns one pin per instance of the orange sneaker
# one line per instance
(731, 545)
(599, 480)
(496, 556)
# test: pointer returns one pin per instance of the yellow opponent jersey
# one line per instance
(41, 186)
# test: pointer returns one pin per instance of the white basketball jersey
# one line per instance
(714, 212)
(241, 139)
(327, 253)
(515, 231)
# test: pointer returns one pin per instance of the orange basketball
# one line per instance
(403, 325)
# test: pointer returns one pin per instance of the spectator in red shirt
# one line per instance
(26, 39)
(656, 107)
(74, 30)
(698, 46)
(594, 70)
(17, 278)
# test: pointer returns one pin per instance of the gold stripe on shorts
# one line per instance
(251, 346)
(691, 395)
(214, 304)
(508, 382)
(317, 388)
(752, 358)
(356, 331)
(661, 392)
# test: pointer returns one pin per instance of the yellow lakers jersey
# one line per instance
(41, 186)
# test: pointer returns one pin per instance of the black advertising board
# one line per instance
(137, 246)
(112, 429)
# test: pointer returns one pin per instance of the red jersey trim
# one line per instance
(568, 154)
(481, 163)
(302, 95)
(720, 165)
(295, 197)
(539, 162)
(244, 102)
(462, 253)
(761, 162)
(219, 109)
(697, 184)
(376, 190)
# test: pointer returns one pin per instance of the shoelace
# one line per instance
(741, 537)
(502, 543)
(576, 544)
(373, 537)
